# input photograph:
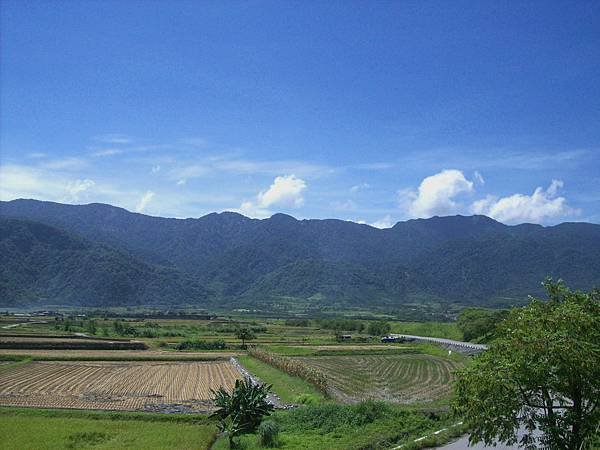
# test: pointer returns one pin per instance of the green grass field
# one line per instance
(290, 389)
(26, 429)
(446, 330)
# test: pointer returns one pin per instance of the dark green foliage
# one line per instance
(267, 433)
(541, 372)
(245, 334)
(297, 322)
(242, 410)
(228, 259)
(328, 417)
(479, 324)
(339, 325)
(379, 328)
(42, 265)
(202, 345)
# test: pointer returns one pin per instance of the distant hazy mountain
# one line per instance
(234, 259)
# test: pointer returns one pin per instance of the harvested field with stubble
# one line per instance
(130, 386)
(403, 379)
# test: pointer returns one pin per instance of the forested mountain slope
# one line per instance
(235, 259)
(43, 265)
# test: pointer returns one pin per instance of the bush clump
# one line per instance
(202, 345)
(268, 432)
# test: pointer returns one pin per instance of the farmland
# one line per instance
(403, 379)
(150, 386)
(60, 363)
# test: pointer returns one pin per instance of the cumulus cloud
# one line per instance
(285, 191)
(385, 222)
(436, 194)
(539, 207)
(77, 187)
(17, 181)
(144, 201)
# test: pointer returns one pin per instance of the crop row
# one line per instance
(293, 367)
(397, 378)
(114, 385)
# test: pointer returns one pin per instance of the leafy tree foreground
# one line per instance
(541, 375)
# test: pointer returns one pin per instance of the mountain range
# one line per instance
(101, 255)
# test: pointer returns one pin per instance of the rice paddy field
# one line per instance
(402, 379)
(133, 386)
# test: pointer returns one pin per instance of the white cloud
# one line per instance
(250, 209)
(181, 182)
(385, 222)
(285, 191)
(478, 177)
(74, 188)
(108, 152)
(372, 166)
(191, 171)
(37, 155)
(155, 169)
(113, 139)
(70, 163)
(30, 182)
(26, 182)
(144, 201)
(347, 205)
(539, 207)
(359, 187)
(436, 194)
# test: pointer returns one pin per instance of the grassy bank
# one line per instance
(368, 425)
(64, 429)
(290, 389)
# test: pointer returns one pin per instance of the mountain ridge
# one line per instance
(240, 260)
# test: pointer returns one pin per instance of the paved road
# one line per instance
(463, 444)
(458, 345)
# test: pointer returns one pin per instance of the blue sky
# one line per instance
(364, 111)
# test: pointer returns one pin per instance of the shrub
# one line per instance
(242, 410)
(267, 433)
(306, 399)
(202, 345)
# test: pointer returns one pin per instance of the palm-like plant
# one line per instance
(241, 410)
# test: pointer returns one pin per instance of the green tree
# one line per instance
(91, 327)
(479, 324)
(245, 334)
(379, 328)
(541, 372)
(241, 410)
